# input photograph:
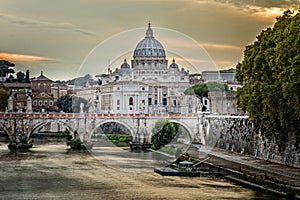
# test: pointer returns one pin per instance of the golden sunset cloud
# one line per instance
(21, 57)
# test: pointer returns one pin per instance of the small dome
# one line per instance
(149, 46)
(125, 65)
(174, 65)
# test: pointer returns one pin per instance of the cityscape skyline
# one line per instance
(55, 37)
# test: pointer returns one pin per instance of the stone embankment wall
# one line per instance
(236, 135)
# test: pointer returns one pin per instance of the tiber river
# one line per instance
(51, 171)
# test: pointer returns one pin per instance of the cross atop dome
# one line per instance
(149, 32)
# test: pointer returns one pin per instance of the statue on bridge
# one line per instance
(29, 105)
(10, 104)
(81, 107)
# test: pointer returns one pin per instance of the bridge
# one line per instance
(233, 133)
(200, 127)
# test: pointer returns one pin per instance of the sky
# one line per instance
(57, 36)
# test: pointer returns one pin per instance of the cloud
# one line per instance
(261, 8)
(221, 46)
(285, 4)
(24, 58)
(28, 22)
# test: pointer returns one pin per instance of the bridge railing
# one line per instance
(93, 115)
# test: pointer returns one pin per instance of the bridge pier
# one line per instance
(141, 139)
(19, 136)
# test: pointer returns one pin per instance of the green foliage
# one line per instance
(121, 140)
(71, 104)
(76, 143)
(5, 68)
(201, 90)
(20, 77)
(119, 137)
(163, 133)
(4, 94)
(270, 75)
(82, 81)
(27, 78)
(65, 103)
(60, 135)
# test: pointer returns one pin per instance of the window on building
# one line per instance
(43, 94)
(155, 102)
(130, 101)
(51, 103)
(174, 102)
(149, 101)
(45, 103)
(34, 103)
(40, 103)
(118, 102)
(130, 108)
(164, 101)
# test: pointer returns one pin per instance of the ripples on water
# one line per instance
(49, 166)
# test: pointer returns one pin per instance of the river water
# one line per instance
(51, 171)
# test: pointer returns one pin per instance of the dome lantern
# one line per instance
(125, 65)
(174, 65)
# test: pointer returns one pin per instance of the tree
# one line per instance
(20, 77)
(27, 79)
(71, 104)
(201, 90)
(270, 75)
(83, 81)
(163, 133)
(5, 68)
(4, 94)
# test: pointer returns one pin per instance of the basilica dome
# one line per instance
(174, 65)
(125, 65)
(149, 46)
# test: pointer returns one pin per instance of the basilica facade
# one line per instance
(147, 85)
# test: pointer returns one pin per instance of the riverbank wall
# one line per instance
(236, 135)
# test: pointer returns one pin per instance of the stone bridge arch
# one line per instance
(126, 125)
(186, 127)
(7, 130)
(43, 123)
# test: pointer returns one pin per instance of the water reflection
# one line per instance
(51, 171)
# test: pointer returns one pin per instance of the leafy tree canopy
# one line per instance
(20, 77)
(71, 104)
(4, 94)
(201, 90)
(5, 68)
(163, 133)
(270, 75)
(82, 81)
